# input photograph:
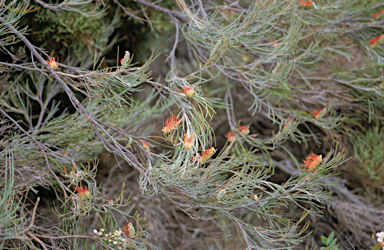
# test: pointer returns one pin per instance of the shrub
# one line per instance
(250, 93)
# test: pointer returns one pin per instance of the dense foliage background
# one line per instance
(191, 124)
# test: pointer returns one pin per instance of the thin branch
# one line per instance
(244, 233)
(140, 20)
(161, 9)
(33, 216)
(71, 237)
(173, 51)
(47, 6)
(37, 240)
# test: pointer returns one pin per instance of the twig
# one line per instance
(140, 20)
(244, 233)
(172, 54)
(229, 102)
(47, 6)
(33, 216)
(161, 9)
(71, 237)
(67, 237)
(309, 35)
(37, 239)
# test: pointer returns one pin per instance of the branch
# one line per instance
(161, 9)
(71, 237)
(33, 215)
(37, 239)
(244, 233)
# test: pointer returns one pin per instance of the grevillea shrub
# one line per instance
(227, 121)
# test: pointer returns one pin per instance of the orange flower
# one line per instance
(170, 124)
(188, 90)
(244, 129)
(206, 154)
(286, 123)
(83, 192)
(52, 63)
(188, 140)
(378, 14)
(274, 43)
(145, 145)
(129, 230)
(230, 136)
(375, 41)
(312, 161)
(306, 3)
(316, 113)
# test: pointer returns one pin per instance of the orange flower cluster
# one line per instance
(244, 129)
(274, 43)
(306, 3)
(83, 192)
(206, 154)
(145, 145)
(378, 14)
(170, 124)
(129, 230)
(188, 91)
(375, 41)
(317, 113)
(52, 63)
(230, 136)
(312, 161)
(188, 140)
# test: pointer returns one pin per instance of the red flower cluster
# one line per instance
(129, 230)
(52, 63)
(230, 136)
(306, 3)
(188, 91)
(145, 145)
(376, 41)
(244, 129)
(378, 14)
(188, 140)
(206, 154)
(83, 191)
(170, 124)
(312, 161)
(316, 113)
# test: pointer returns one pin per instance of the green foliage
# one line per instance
(329, 242)
(9, 203)
(261, 63)
(368, 150)
(72, 32)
